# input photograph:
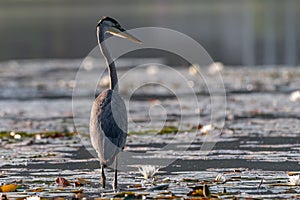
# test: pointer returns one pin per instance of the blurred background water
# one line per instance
(235, 32)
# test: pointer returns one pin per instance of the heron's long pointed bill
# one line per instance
(124, 34)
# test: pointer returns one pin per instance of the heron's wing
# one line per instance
(113, 119)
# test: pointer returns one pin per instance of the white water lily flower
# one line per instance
(148, 171)
(152, 69)
(34, 197)
(295, 96)
(220, 178)
(205, 129)
(194, 69)
(215, 68)
(294, 180)
(17, 136)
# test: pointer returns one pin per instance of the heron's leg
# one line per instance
(116, 173)
(102, 176)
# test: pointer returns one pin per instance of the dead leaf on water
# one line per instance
(82, 180)
(62, 182)
(8, 188)
(78, 184)
(190, 180)
(293, 173)
(135, 186)
(279, 184)
(39, 189)
(124, 194)
(80, 190)
(167, 197)
(198, 192)
(201, 192)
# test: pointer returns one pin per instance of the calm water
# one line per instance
(257, 146)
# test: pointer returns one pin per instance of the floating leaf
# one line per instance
(135, 186)
(159, 187)
(78, 184)
(202, 191)
(293, 173)
(198, 192)
(80, 190)
(83, 181)
(279, 184)
(62, 182)
(190, 180)
(168, 197)
(166, 193)
(9, 188)
(168, 129)
(39, 189)
(124, 194)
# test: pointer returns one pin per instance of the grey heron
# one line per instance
(108, 120)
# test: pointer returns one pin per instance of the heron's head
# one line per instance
(111, 26)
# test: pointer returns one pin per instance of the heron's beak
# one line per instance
(123, 34)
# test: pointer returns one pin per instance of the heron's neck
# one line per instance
(112, 72)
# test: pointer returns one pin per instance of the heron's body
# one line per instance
(108, 126)
(108, 121)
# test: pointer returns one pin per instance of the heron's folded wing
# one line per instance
(113, 119)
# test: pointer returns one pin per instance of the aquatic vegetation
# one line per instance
(168, 129)
(164, 130)
(37, 136)
(15, 135)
